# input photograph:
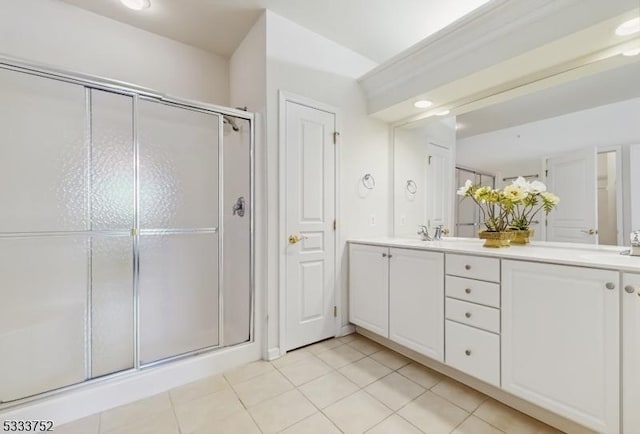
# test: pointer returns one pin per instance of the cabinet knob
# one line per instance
(610, 285)
(468, 290)
(467, 267)
(468, 352)
(384, 255)
(629, 289)
(468, 314)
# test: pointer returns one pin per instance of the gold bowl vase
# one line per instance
(521, 236)
(496, 239)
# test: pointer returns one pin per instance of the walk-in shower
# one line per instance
(121, 244)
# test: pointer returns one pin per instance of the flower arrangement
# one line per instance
(513, 207)
(536, 198)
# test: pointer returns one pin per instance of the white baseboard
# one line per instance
(273, 353)
(346, 330)
(102, 395)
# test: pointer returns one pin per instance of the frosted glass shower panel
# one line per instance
(237, 233)
(178, 167)
(42, 314)
(112, 310)
(111, 161)
(178, 294)
(43, 154)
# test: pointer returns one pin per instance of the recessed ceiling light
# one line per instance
(423, 103)
(629, 27)
(630, 53)
(443, 112)
(136, 5)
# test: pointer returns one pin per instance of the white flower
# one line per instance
(462, 191)
(537, 187)
(521, 183)
(550, 197)
(514, 193)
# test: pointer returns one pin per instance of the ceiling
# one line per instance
(607, 87)
(377, 29)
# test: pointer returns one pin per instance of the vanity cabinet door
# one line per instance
(560, 340)
(416, 301)
(630, 353)
(369, 288)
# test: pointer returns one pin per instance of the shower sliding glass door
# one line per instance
(110, 232)
(178, 221)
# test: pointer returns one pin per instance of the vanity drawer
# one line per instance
(486, 318)
(476, 291)
(474, 267)
(473, 351)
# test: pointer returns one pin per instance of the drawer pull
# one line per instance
(384, 255)
(468, 290)
(610, 285)
(630, 289)
(467, 267)
(468, 314)
(468, 352)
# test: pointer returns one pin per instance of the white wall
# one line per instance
(306, 64)
(520, 150)
(54, 33)
(248, 87)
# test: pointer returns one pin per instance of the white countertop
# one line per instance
(582, 255)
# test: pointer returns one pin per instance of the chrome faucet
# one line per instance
(635, 243)
(423, 231)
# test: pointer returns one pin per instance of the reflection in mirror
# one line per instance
(580, 137)
(423, 167)
(577, 138)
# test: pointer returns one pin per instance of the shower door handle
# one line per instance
(238, 207)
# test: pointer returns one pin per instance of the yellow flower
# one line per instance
(514, 193)
(482, 194)
(550, 198)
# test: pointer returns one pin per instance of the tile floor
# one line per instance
(350, 384)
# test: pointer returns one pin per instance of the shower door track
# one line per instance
(90, 82)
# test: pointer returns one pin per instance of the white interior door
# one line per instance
(573, 178)
(439, 185)
(310, 213)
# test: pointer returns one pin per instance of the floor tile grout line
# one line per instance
(407, 420)
(175, 414)
(463, 420)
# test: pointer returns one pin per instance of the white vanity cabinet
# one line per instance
(416, 297)
(369, 287)
(630, 353)
(560, 340)
(473, 316)
(399, 294)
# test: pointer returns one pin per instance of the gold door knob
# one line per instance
(294, 239)
(590, 232)
(445, 232)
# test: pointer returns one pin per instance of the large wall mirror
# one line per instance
(580, 136)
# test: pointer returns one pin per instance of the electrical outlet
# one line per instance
(403, 220)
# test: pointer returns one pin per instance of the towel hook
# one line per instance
(412, 187)
(368, 181)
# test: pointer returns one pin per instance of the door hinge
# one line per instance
(334, 225)
(546, 172)
(133, 232)
(335, 137)
(429, 163)
(335, 311)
